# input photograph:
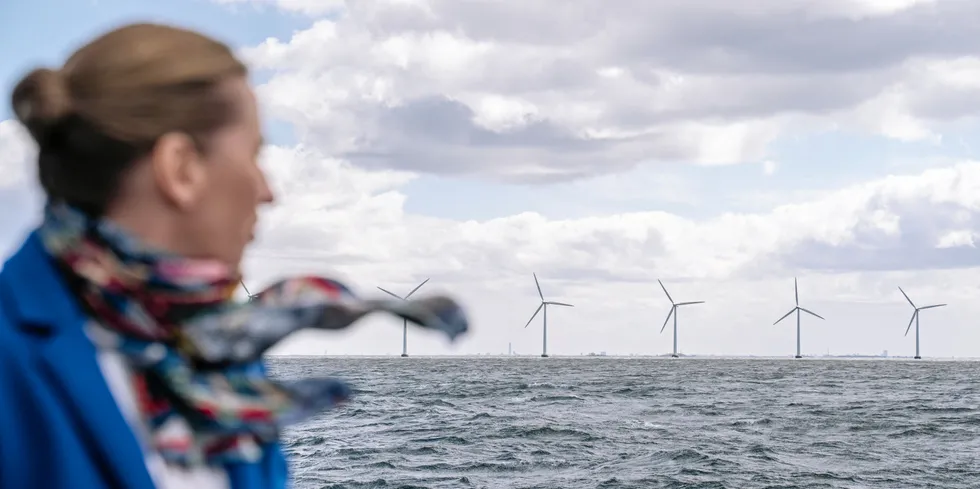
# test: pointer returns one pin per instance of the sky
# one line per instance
(721, 147)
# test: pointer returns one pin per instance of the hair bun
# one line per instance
(40, 101)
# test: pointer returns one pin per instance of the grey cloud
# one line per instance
(766, 36)
(742, 97)
(921, 225)
(438, 118)
(788, 40)
(948, 103)
(543, 22)
(437, 135)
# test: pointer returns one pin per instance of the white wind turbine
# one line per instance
(544, 306)
(673, 312)
(797, 309)
(404, 322)
(915, 317)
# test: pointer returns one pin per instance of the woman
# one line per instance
(123, 363)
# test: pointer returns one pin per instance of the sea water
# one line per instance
(604, 422)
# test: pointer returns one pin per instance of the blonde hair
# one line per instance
(114, 98)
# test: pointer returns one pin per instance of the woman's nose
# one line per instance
(266, 196)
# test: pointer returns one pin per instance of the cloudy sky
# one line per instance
(603, 145)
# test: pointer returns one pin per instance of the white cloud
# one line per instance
(898, 215)
(19, 199)
(957, 238)
(858, 9)
(769, 167)
(16, 154)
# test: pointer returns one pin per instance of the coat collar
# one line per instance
(41, 305)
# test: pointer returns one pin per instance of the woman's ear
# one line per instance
(178, 170)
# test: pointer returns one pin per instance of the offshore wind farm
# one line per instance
(675, 351)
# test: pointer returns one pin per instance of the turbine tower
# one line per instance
(404, 321)
(673, 312)
(915, 317)
(544, 306)
(797, 309)
(250, 296)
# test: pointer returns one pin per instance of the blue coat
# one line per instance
(59, 425)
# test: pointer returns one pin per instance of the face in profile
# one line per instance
(231, 186)
(156, 129)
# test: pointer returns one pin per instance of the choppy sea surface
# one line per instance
(601, 422)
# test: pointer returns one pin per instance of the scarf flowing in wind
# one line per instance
(202, 390)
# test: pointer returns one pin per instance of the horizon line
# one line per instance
(852, 356)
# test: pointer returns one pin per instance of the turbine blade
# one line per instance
(907, 297)
(559, 304)
(246, 288)
(536, 311)
(812, 313)
(910, 322)
(668, 318)
(796, 290)
(932, 306)
(538, 286)
(791, 311)
(390, 293)
(665, 292)
(417, 287)
(689, 303)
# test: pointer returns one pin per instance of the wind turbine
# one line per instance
(544, 305)
(404, 322)
(915, 317)
(250, 296)
(797, 309)
(673, 312)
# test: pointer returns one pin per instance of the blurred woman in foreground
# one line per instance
(123, 363)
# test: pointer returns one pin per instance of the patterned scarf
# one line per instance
(196, 354)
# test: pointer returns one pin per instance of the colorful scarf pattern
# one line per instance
(196, 353)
